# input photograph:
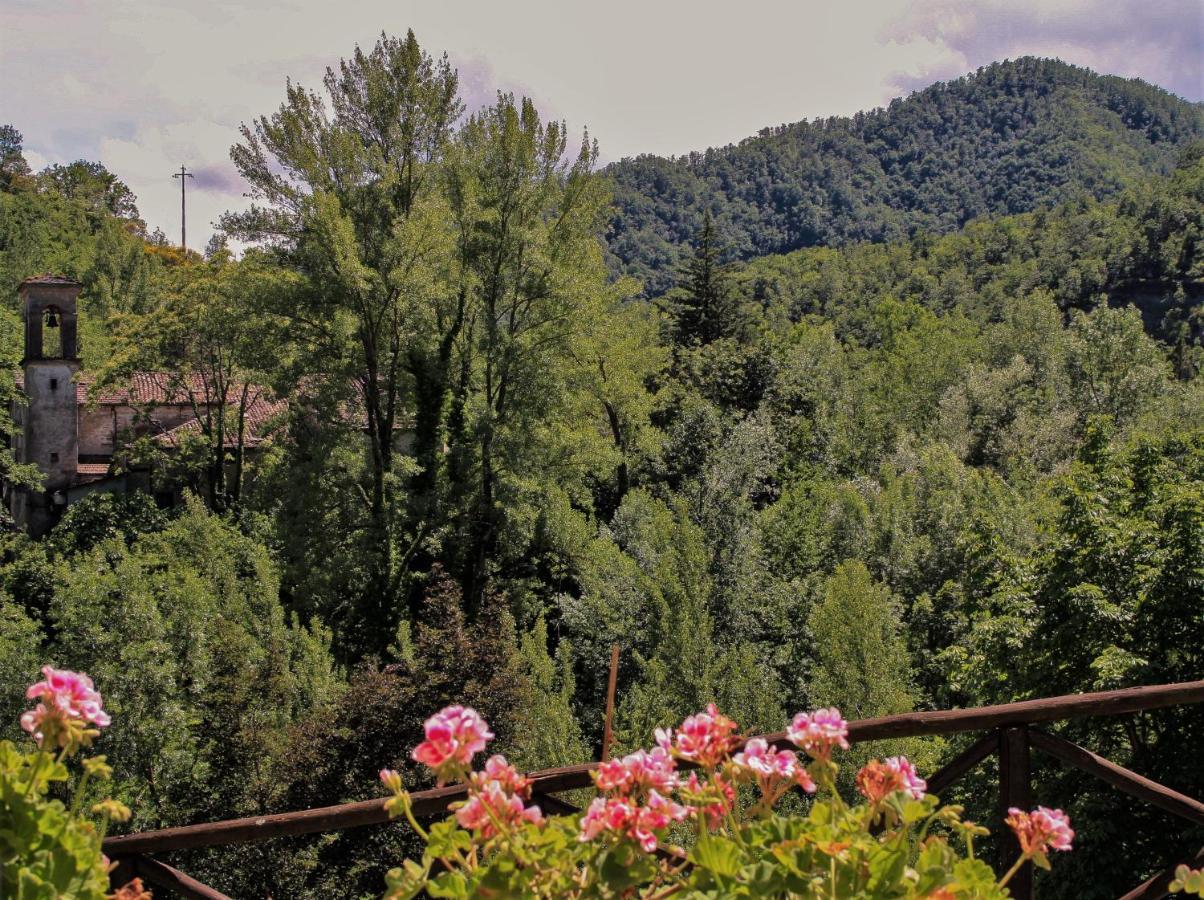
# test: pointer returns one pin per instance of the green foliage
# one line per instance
(99, 518)
(183, 625)
(953, 467)
(861, 662)
(703, 308)
(1012, 137)
(46, 850)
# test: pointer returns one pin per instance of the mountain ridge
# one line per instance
(1008, 138)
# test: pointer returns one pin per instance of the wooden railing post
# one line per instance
(123, 872)
(1015, 789)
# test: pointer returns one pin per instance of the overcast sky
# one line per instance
(145, 86)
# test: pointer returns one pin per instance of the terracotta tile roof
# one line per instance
(140, 388)
(262, 415)
(168, 389)
(157, 388)
(92, 469)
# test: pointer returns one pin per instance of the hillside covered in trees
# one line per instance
(1010, 138)
(932, 462)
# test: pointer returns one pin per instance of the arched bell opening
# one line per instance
(52, 333)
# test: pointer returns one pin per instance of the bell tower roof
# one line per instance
(47, 278)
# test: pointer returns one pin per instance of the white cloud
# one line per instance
(1162, 42)
(144, 87)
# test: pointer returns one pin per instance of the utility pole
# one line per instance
(183, 175)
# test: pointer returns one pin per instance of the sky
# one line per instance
(147, 85)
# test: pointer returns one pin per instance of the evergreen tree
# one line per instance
(704, 308)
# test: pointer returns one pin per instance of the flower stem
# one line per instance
(1013, 870)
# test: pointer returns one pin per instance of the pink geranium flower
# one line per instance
(492, 805)
(453, 736)
(713, 798)
(1041, 830)
(69, 704)
(706, 738)
(913, 784)
(877, 780)
(638, 772)
(500, 772)
(774, 770)
(820, 732)
(621, 817)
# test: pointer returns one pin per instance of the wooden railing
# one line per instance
(1010, 735)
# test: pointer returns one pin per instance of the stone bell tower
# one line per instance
(49, 422)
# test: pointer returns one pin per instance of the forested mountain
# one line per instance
(960, 465)
(1009, 138)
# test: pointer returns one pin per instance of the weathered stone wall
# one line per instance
(101, 426)
(51, 439)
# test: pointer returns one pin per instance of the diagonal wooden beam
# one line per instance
(957, 767)
(164, 876)
(1119, 777)
(1156, 887)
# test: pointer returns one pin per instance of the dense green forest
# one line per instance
(933, 462)
(1011, 138)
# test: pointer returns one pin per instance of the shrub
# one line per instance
(698, 815)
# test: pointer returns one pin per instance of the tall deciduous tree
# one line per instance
(351, 200)
(529, 213)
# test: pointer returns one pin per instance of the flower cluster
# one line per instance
(50, 842)
(1041, 830)
(1188, 880)
(495, 799)
(775, 771)
(496, 843)
(636, 800)
(453, 736)
(623, 816)
(644, 770)
(705, 739)
(713, 798)
(819, 733)
(69, 704)
(877, 780)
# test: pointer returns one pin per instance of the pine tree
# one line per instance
(704, 308)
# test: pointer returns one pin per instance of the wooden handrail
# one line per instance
(435, 801)
(1119, 777)
(1024, 712)
(964, 762)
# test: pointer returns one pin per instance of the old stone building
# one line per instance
(74, 432)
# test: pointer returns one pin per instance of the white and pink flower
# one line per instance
(878, 779)
(622, 817)
(1041, 830)
(491, 806)
(706, 738)
(643, 770)
(453, 736)
(774, 770)
(69, 704)
(820, 732)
